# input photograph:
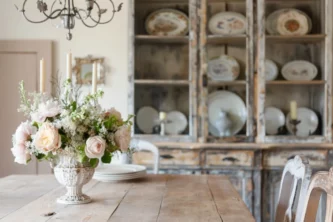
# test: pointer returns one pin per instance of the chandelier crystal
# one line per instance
(68, 12)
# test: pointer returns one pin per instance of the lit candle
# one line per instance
(42, 76)
(162, 115)
(94, 79)
(293, 110)
(69, 66)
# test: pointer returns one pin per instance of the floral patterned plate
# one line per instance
(227, 23)
(288, 22)
(223, 68)
(271, 70)
(167, 22)
(299, 70)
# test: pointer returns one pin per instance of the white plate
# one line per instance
(288, 22)
(299, 70)
(274, 119)
(232, 104)
(271, 70)
(114, 179)
(227, 23)
(176, 123)
(223, 68)
(119, 169)
(309, 122)
(146, 119)
(167, 22)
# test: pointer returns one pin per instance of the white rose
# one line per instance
(21, 153)
(95, 147)
(123, 138)
(47, 138)
(23, 132)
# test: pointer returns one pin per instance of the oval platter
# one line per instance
(167, 22)
(271, 70)
(223, 68)
(299, 70)
(227, 23)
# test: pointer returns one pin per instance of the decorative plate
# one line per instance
(223, 68)
(227, 23)
(299, 70)
(230, 103)
(309, 122)
(274, 120)
(119, 172)
(288, 22)
(176, 123)
(271, 70)
(167, 22)
(146, 119)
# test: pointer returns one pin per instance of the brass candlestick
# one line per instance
(294, 123)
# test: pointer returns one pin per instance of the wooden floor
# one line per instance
(163, 198)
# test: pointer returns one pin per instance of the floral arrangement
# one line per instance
(68, 125)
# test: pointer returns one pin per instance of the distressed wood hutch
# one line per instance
(170, 73)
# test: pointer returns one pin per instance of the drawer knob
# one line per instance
(166, 156)
(231, 159)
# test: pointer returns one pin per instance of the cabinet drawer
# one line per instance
(169, 158)
(317, 158)
(229, 158)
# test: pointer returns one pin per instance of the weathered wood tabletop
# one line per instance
(169, 198)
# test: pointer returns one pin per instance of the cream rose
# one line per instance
(47, 138)
(21, 153)
(123, 138)
(95, 147)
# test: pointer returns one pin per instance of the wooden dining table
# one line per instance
(163, 198)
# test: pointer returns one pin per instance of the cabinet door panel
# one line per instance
(229, 158)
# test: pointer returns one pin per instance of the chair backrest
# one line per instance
(295, 178)
(320, 182)
(143, 145)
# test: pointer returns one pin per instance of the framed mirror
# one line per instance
(83, 70)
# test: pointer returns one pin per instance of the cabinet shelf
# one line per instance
(227, 39)
(161, 39)
(226, 83)
(160, 82)
(296, 39)
(286, 82)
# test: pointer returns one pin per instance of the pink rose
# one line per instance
(50, 108)
(123, 138)
(21, 153)
(95, 147)
(23, 132)
(47, 138)
(115, 113)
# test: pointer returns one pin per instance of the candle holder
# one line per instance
(294, 123)
(162, 123)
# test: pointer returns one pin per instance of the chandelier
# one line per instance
(68, 12)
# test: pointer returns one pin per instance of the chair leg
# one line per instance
(329, 208)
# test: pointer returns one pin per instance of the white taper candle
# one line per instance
(42, 76)
(69, 66)
(293, 110)
(94, 79)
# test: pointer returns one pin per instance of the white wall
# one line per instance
(109, 41)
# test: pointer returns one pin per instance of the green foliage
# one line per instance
(107, 157)
(94, 162)
(40, 156)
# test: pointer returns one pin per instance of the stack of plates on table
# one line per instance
(288, 22)
(110, 172)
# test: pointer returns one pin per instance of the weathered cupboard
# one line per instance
(170, 73)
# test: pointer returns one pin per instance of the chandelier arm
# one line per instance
(89, 26)
(56, 16)
(113, 14)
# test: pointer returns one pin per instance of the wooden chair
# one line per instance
(321, 182)
(143, 145)
(294, 183)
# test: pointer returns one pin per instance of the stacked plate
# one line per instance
(112, 173)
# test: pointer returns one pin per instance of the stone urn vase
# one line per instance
(73, 175)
